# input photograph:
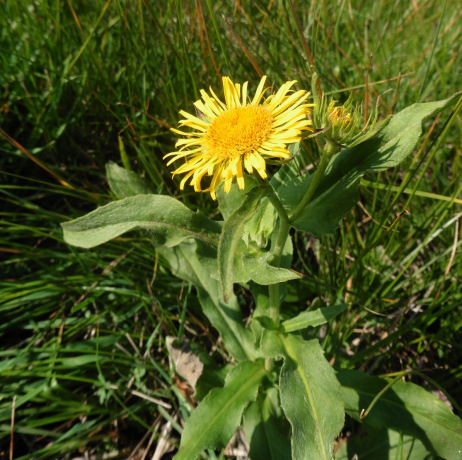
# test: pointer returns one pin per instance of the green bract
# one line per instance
(278, 384)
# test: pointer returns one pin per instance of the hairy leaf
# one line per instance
(216, 418)
(338, 189)
(225, 316)
(207, 254)
(311, 399)
(404, 407)
(232, 232)
(126, 183)
(313, 318)
(170, 222)
(266, 429)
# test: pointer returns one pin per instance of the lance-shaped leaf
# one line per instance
(313, 318)
(231, 235)
(216, 418)
(311, 399)
(337, 192)
(126, 183)
(225, 316)
(170, 222)
(404, 407)
(266, 429)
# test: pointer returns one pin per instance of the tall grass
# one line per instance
(83, 332)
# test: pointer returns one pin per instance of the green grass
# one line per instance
(81, 330)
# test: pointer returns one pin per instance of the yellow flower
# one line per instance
(239, 134)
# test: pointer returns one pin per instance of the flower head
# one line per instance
(239, 134)
(340, 125)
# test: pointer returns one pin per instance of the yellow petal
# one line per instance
(289, 118)
(198, 175)
(205, 110)
(237, 86)
(240, 175)
(215, 179)
(282, 92)
(192, 133)
(223, 106)
(180, 155)
(189, 142)
(194, 119)
(185, 178)
(288, 133)
(192, 124)
(244, 93)
(232, 100)
(259, 92)
(301, 95)
(248, 164)
(211, 103)
(227, 186)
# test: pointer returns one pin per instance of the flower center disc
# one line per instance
(238, 131)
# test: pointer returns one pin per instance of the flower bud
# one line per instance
(338, 124)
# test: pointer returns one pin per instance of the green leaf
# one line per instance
(404, 407)
(170, 222)
(245, 266)
(371, 133)
(207, 255)
(381, 444)
(261, 225)
(285, 175)
(231, 234)
(125, 183)
(216, 418)
(212, 376)
(268, 323)
(313, 318)
(311, 399)
(337, 192)
(226, 317)
(266, 429)
(261, 272)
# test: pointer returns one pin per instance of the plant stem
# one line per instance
(284, 229)
(272, 197)
(329, 150)
(274, 297)
(283, 233)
